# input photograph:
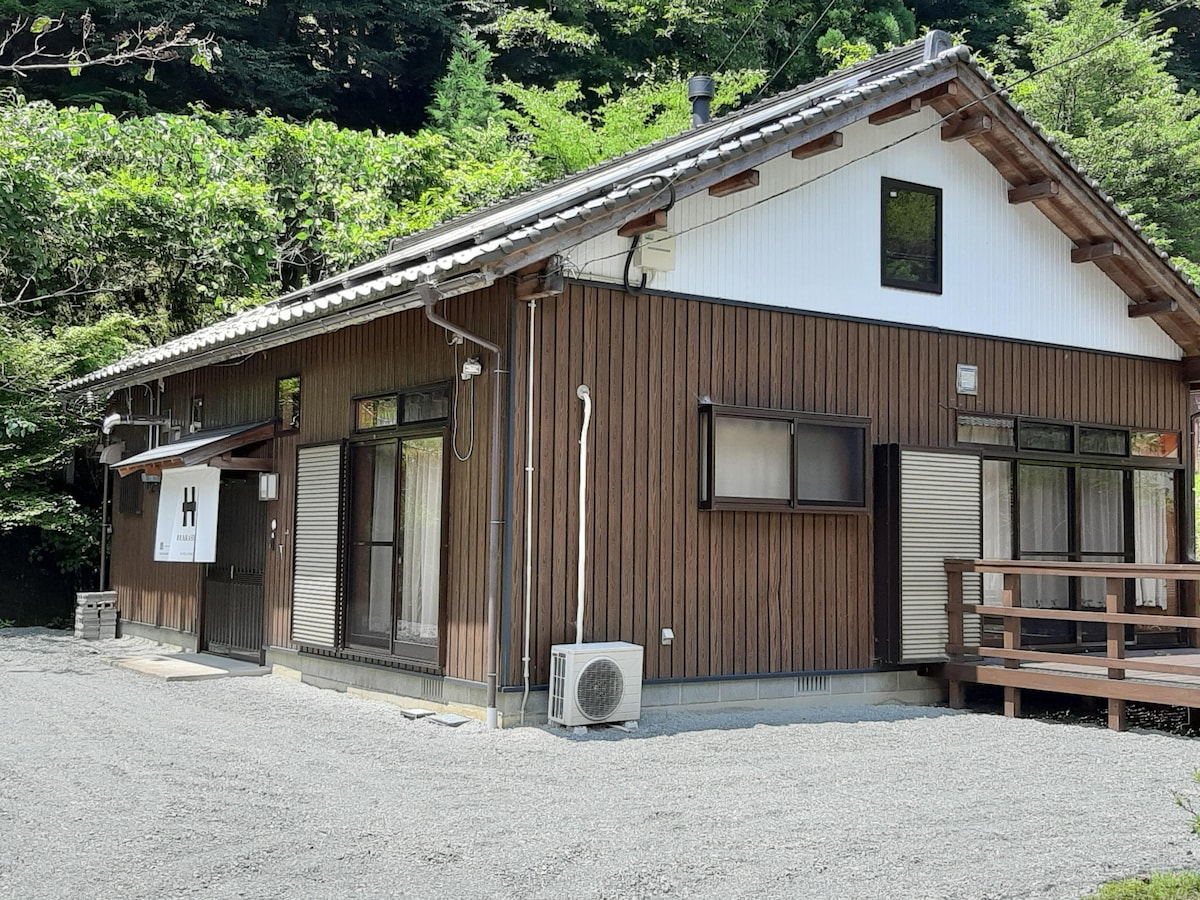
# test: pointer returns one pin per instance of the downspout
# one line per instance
(430, 295)
(528, 506)
(585, 395)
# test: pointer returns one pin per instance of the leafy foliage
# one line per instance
(1119, 111)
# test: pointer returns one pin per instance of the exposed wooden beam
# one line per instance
(949, 89)
(1039, 190)
(742, 181)
(243, 463)
(1153, 308)
(1189, 368)
(896, 111)
(537, 281)
(831, 141)
(965, 128)
(1093, 252)
(651, 221)
(823, 144)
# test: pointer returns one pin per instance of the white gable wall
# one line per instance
(1007, 270)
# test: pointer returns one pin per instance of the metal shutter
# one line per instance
(940, 518)
(315, 576)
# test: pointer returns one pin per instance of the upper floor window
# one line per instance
(911, 236)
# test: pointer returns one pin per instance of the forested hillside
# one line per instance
(139, 201)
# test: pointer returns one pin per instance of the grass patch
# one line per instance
(1163, 886)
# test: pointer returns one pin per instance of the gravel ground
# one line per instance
(114, 784)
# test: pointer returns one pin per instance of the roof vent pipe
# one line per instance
(701, 90)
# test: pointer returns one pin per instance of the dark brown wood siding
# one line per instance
(746, 592)
(387, 354)
(162, 594)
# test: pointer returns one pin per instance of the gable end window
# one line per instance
(287, 403)
(911, 236)
(776, 459)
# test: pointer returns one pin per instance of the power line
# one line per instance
(1144, 20)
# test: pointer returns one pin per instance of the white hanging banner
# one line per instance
(187, 515)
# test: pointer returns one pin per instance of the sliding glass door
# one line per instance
(1073, 512)
(396, 542)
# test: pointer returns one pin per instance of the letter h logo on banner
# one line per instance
(189, 506)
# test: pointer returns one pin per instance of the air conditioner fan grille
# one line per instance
(599, 688)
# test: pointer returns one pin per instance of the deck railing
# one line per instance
(1114, 661)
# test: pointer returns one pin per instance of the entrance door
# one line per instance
(233, 584)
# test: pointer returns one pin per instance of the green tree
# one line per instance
(362, 64)
(1119, 111)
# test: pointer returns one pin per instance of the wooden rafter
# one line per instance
(823, 144)
(1039, 190)
(896, 111)
(1152, 308)
(742, 181)
(1096, 251)
(651, 221)
(966, 128)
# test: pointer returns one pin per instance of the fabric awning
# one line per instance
(213, 447)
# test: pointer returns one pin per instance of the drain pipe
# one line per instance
(585, 395)
(528, 505)
(430, 295)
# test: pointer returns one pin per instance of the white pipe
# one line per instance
(528, 503)
(586, 396)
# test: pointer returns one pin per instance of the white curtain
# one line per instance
(997, 523)
(383, 504)
(1045, 530)
(1153, 507)
(1101, 497)
(421, 565)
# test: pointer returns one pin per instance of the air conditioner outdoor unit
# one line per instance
(595, 683)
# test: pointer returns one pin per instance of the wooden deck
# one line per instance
(1118, 674)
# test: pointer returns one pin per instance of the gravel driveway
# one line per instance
(114, 784)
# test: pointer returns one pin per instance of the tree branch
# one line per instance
(157, 43)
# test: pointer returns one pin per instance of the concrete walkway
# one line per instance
(190, 666)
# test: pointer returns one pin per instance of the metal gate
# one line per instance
(233, 585)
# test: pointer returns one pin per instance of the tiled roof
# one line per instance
(532, 217)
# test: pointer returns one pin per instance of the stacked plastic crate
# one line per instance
(96, 615)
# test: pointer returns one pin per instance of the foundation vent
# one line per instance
(431, 689)
(812, 684)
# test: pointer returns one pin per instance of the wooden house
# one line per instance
(829, 341)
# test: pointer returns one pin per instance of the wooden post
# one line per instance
(1118, 720)
(1114, 595)
(1012, 702)
(1011, 597)
(954, 626)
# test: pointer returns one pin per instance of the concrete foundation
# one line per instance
(413, 690)
(467, 698)
(181, 641)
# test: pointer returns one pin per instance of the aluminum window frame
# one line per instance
(707, 464)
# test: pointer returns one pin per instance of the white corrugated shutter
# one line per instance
(940, 518)
(314, 582)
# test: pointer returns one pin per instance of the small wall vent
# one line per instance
(812, 684)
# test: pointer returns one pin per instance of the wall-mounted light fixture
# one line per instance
(268, 485)
(668, 635)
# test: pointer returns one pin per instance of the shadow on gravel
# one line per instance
(665, 724)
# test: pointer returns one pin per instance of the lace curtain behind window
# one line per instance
(421, 564)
